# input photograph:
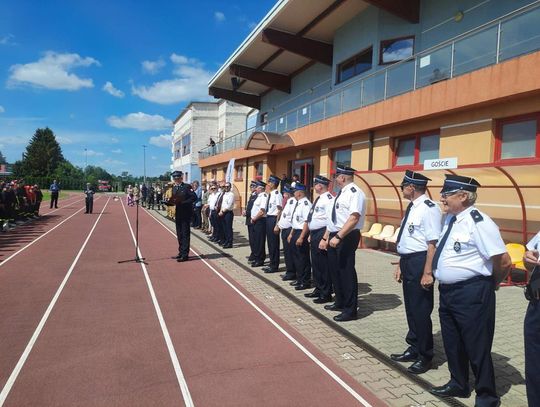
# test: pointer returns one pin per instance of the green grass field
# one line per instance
(47, 195)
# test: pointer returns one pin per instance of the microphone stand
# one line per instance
(136, 259)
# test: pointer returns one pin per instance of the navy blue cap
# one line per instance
(457, 182)
(260, 183)
(343, 169)
(319, 179)
(287, 188)
(176, 174)
(299, 187)
(253, 183)
(415, 178)
(273, 179)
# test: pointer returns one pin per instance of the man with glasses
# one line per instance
(341, 239)
(469, 262)
(183, 197)
(226, 216)
(417, 237)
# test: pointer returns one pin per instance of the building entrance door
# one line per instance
(304, 170)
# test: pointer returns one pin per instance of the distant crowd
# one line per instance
(19, 202)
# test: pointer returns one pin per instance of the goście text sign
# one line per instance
(440, 164)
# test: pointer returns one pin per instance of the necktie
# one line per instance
(219, 202)
(334, 207)
(310, 215)
(267, 204)
(294, 210)
(404, 223)
(440, 247)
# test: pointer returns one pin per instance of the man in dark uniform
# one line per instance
(89, 199)
(259, 225)
(469, 262)
(273, 210)
(285, 225)
(183, 197)
(249, 206)
(532, 323)
(298, 239)
(417, 237)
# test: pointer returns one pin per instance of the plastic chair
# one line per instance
(365, 228)
(393, 238)
(375, 229)
(387, 231)
(516, 252)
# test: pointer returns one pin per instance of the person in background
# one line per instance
(151, 197)
(144, 195)
(204, 208)
(247, 214)
(197, 207)
(226, 215)
(39, 199)
(89, 198)
(159, 198)
(55, 191)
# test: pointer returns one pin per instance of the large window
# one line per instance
(412, 151)
(356, 65)
(239, 170)
(177, 147)
(395, 50)
(518, 138)
(186, 144)
(258, 170)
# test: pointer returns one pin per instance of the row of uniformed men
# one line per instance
(221, 206)
(313, 236)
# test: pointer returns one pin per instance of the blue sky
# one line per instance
(110, 76)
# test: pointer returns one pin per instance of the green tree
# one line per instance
(42, 157)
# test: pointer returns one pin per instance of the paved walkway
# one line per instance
(361, 347)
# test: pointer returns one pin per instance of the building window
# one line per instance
(263, 118)
(220, 135)
(214, 174)
(239, 173)
(258, 171)
(340, 156)
(518, 138)
(186, 144)
(356, 65)
(396, 50)
(412, 151)
(177, 147)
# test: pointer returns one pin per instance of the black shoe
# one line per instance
(406, 356)
(333, 307)
(449, 390)
(313, 294)
(342, 318)
(420, 366)
(301, 287)
(181, 259)
(178, 256)
(227, 246)
(294, 283)
(322, 300)
(268, 270)
(285, 277)
(257, 264)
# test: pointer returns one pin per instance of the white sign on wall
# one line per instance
(440, 164)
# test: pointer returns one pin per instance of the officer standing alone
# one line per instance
(273, 210)
(183, 197)
(345, 220)
(469, 262)
(416, 241)
(89, 199)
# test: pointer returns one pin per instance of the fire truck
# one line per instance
(104, 186)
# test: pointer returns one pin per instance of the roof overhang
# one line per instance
(266, 141)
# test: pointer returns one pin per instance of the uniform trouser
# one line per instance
(214, 222)
(54, 199)
(220, 228)
(259, 237)
(300, 257)
(251, 239)
(227, 220)
(151, 202)
(204, 216)
(319, 265)
(287, 253)
(467, 314)
(418, 305)
(183, 235)
(273, 242)
(197, 217)
(343, 273)
(532, 353)
(89, 205)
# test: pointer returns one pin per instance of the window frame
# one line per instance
(257, 176)
(348, 60)
(417, 137)
(499, 134)
(383, 42)
(236, 175)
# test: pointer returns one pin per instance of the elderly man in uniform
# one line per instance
(249, 206)
(298, 239)
(273, 210)
(469, 262)
(284, 226)
(259, 225)
(317, 220)
(532, 322)
(416, 241)
(226, 215)
(183, 198)
(89, 198)
(345, 220)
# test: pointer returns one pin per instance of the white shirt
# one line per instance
(276, 199)
(212, 200)
(534, 243)
(285, 219)
(260, 203)
(301, 213)
(351, 200)
(228, 201)
(320, 211)
(424, 224)
(473, 241)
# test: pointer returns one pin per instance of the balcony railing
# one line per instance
(514, 34)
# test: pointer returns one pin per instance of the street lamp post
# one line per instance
(85, 158)
(144, 163)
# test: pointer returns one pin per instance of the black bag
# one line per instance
(532, 289)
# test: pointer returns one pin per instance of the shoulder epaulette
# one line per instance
(429, 203)
(329, 196)
(277, 192)
(264, 194)
(353, 189)
(291, 201)
(476, 216)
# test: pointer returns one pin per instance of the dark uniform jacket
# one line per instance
(249, 206)
(184, 197)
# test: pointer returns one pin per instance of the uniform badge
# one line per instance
(457, 247)
(411, 228)
(337, 206)
(298, 218)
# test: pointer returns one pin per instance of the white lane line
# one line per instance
(310, 355)
(62, 207)
(15, 373)
(172, 352)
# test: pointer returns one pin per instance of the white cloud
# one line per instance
(52, 71)
(64, 140)
(190, 83)
(153, 67)
(163, 140)
(2, 110)
(7, 39)
(140, 121)
(91, 153)
(111, 90)
(117, 151)
(114, 140)
(12, 140)
(219, 16)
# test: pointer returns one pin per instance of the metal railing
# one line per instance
(507, 37)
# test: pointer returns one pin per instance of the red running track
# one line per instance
(162, 334)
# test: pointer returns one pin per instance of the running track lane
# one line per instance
(230, 354)
(102, 344)
(28, 283)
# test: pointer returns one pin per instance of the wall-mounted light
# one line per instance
(459, 16)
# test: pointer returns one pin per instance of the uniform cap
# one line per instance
(457, 182)
(415, 178)
(319, 179)
(176, 174)
(343, 169)
(260, 183)
(287, 188)
(299, 187)
(253, 183)
(273, 179)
